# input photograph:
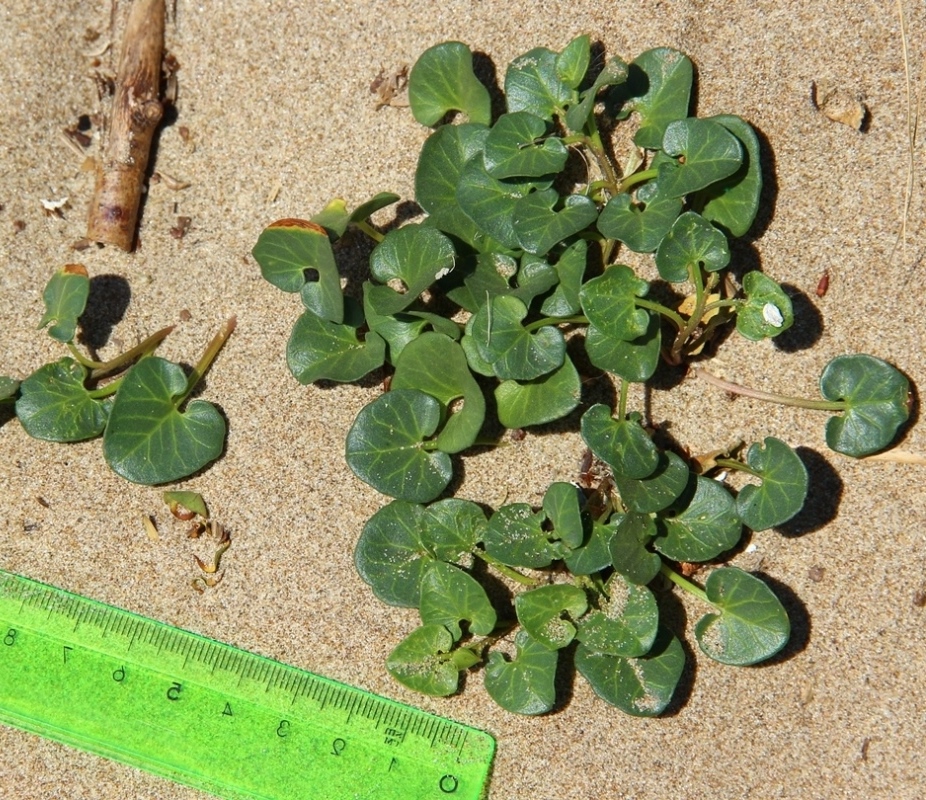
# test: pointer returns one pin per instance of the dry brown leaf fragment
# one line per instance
(388, 85)
(838, 104)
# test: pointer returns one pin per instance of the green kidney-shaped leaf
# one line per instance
(622, 444)
(390, 555)
(640, 225)
(657, 490)
(629, 551)
(440, 166)
(515, 536)
(518, 147)
(532, 84)
(422, 661)
(489, 202)
(626, 623)
(659, 90)
(634, 360)
(615, 72)
(449, 595)
(452, 527)
(385, 446)
(544, 399)
(608, 302)
(752, 624)
(562, 503)
(415, 255)
(54, 404)
(875, 396)
(691, 243)
(593, 554)
(319, 349)
(514, 352)
(289, 247)
(767, 310)
(703, 152)
(415, 369)
(443, 80)
(548, 613)
(782, 491)
(704, 528)
(572, 63)
(148, 439)
(732, 203)
(65, 298)
(570, 270)
(524, 685)
(538, 227)
(642, 686)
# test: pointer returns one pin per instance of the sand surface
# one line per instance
(278, 117)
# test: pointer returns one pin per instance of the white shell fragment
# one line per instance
(772, 315)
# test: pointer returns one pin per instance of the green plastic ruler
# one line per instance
(212, 716)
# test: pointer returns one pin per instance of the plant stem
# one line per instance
(81, 359)
(637, 177)
(684, 583)
(622, 403)
(147, 347)
(369, 230)
(694, 275)
(732, 463)
(508, 572)
(770, 397)
(660, 309)
(107, 390)
(576, 320)
(211, 352)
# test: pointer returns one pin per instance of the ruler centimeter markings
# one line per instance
(215, 717)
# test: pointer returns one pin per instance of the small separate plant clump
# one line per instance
(515, 259)
(133, 401)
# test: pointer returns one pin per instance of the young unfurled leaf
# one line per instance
(572, 63)
(385, 446)
(642, 223)
(691, 243)
(622, 444)
(415, 255)
(782, 491)
(570, 270)
(319, 349)
(514, 352)
(390, 555)
(563, 506)
(335, 217)
(65, 298)
(732, 203)
(659, 489)
(534, 277)
(544, 399)
(518, 147)
(489, 202)
(658, 88)
(642, 686)
(634, 360)
(608, 302)
(704, 527)
(541, 611)
(703, 152)
(538, 227)
(440, 166)
(289, 247)
(422, 661)
(615, 72)
(875, 396)
(629, 548)
(54, 404)
(449, 595)
(415, 369)
(192, 501)
(626, 623)
(515, 536)
(524, 685)
(752, 624)
(148, 439)
(533, 84)
(443, 80)
(767, 310)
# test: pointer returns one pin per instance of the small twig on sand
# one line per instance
(136, 113)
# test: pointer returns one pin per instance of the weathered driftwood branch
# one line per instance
(136, 113)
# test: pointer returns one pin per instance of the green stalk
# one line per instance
(622, 403)
(107, 390)
(504, 569)
(369, 230)
(732, 463)
(676, 319)
(769, 397)
(147, 347)
(694, 275)
(637, 177)
(684, 583)
(577, 320)
(207, 358)
(81, 359)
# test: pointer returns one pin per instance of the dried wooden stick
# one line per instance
(136, 113)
